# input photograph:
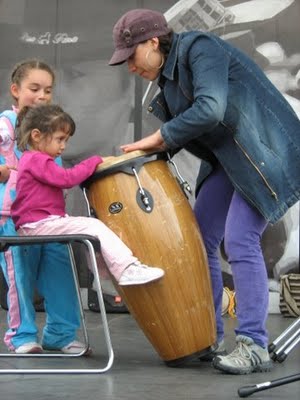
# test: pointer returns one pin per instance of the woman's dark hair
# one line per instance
(47, 118)
(165, 43)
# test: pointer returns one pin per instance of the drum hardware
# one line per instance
(144, 197)
(182, 182)
(89, 211)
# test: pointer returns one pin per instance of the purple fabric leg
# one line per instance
(223, 213)
(211, 210)
(243, 231)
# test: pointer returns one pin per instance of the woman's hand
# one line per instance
(151, 142)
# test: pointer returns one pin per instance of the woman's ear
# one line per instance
(155, 43)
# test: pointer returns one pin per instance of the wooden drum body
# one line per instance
(176, 313)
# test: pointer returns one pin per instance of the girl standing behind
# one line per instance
(44, 131)
(45, 267)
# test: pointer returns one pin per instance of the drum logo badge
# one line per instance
(115, 207)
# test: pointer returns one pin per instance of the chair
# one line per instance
(90, 244)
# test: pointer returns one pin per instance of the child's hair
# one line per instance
(47, 118)
(21, 70)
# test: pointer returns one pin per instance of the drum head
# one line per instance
(125, 157)
(125, 164)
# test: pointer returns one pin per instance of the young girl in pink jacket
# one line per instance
(39, 207)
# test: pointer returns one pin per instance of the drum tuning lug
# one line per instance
(143, 195)
(182, 182)
(186, 187)
(145, 201)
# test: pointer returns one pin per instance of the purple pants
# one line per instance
(223, 214)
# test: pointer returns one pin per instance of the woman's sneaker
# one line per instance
(220, 350)
(138, 274)
(247, 357)
(29, 348)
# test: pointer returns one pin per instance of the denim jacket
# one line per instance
(218, 104)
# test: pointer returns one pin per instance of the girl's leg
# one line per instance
(244, 228)
(211, 209)
(116, 254)
(56, 283)
(19, 265)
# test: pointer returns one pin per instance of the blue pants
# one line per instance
(45, 268)
(223, 214)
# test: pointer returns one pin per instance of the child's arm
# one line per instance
(44, 169)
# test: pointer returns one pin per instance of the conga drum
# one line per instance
(137, 196)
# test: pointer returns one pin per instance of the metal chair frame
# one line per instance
(90, 244)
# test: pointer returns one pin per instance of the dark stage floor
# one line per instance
(138, 372)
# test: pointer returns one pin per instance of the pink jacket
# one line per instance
(40, 184)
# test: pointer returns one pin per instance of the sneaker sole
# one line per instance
(134, 283)
(264, 367)
(34, 350)
(87, 353)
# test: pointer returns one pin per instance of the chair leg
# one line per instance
(93, 262)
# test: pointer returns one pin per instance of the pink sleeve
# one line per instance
(44, 169)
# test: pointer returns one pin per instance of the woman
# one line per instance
(217, 103)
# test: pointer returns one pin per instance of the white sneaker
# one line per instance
(29, 348)
(138, 274)
(247, 357)
(76, 347)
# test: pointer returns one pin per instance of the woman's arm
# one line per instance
(209, 66)
(153, 141)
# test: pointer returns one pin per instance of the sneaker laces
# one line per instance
(243, 351)
(138, 264)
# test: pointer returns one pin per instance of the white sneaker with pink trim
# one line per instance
(138, 274)
(29, 348)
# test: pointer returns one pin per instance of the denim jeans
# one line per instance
(223, 214)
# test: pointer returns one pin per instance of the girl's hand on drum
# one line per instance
(151, 142)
